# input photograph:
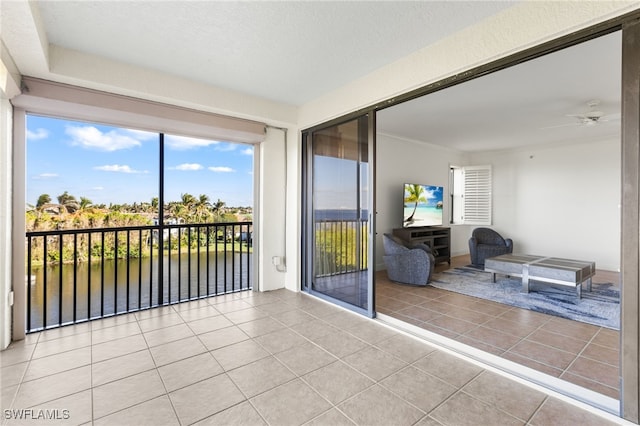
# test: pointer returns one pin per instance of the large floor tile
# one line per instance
(406, 348)
(72, 409)
(261, 326)
(305, 358)
(53, 387)
(189, 371)
(462, 410)
(239, 415)
(332, 417)
(116, 332)
(260, 376)
(378, 406)
(127, 392)
(156, 412)
(16, 353)
(507, 395)
(63, 344)
(338, 381)
(121, 367)
(205, 398)
(206, 325)
(177, 350)
(280, 340)
(57, 363)
(340, 343)
(202, 312)
(554, 410)
(12, 374)
(116, 348)
(449, 368)
(419, 388)
(167, 334)
(374, 363)
(293, 403)
(224, 337)
(239, 354)
(160, 322)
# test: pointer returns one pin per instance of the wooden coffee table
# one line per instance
(567, 272)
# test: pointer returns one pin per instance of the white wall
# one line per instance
(561, 201)
(401, 161)
(271, 210)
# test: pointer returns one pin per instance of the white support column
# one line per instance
(6, 120)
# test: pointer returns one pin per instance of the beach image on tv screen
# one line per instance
(422, 205)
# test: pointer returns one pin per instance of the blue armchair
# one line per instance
(407, 264)
(485, 243)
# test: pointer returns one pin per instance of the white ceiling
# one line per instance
(295, 51)
(520, 106)
(290, 52)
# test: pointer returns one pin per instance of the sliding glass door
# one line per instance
(338, 203)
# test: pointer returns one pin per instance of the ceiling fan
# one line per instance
(591, 117)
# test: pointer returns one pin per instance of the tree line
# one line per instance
(80, 213)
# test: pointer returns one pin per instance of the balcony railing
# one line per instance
(78, 275)
(340, 246)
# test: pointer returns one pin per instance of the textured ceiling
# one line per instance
(295, 52)
(291, 52)
(524, 105)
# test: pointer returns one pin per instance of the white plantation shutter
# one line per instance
(477, 195)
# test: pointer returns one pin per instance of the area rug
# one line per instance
(600, 307)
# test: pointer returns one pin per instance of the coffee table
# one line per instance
(567, 272)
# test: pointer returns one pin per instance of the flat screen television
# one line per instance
(422, 205)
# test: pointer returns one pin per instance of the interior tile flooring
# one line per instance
(275, 358)
(580, 353)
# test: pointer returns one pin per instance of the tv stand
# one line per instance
(436, 237)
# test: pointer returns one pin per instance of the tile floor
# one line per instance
(579, 353)
(276, 358)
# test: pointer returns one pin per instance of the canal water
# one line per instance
(122, 285)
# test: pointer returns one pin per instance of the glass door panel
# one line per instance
(340, 207)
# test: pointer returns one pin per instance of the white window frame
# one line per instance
(471, 195)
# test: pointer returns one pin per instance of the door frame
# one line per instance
(307, 245)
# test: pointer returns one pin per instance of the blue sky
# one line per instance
(113, 165)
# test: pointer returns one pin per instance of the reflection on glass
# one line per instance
(341, 213)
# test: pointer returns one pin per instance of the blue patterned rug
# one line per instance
(599, 307)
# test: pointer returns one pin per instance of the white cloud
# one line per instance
(118, 168)
(92, 138)
(183, 143)
(187, 167)
(226, 147)
(98, 188)
(221, 169)
(46, 176)
(247, 151)
(37, 135)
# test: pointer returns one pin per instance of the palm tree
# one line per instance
(42, 200)
(85, 203)
(68, 201)
(202, 207)
(414, 194)
(218, 208)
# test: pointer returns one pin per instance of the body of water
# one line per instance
(122, 285)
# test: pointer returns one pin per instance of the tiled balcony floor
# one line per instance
(277, 358)
(580, 353)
